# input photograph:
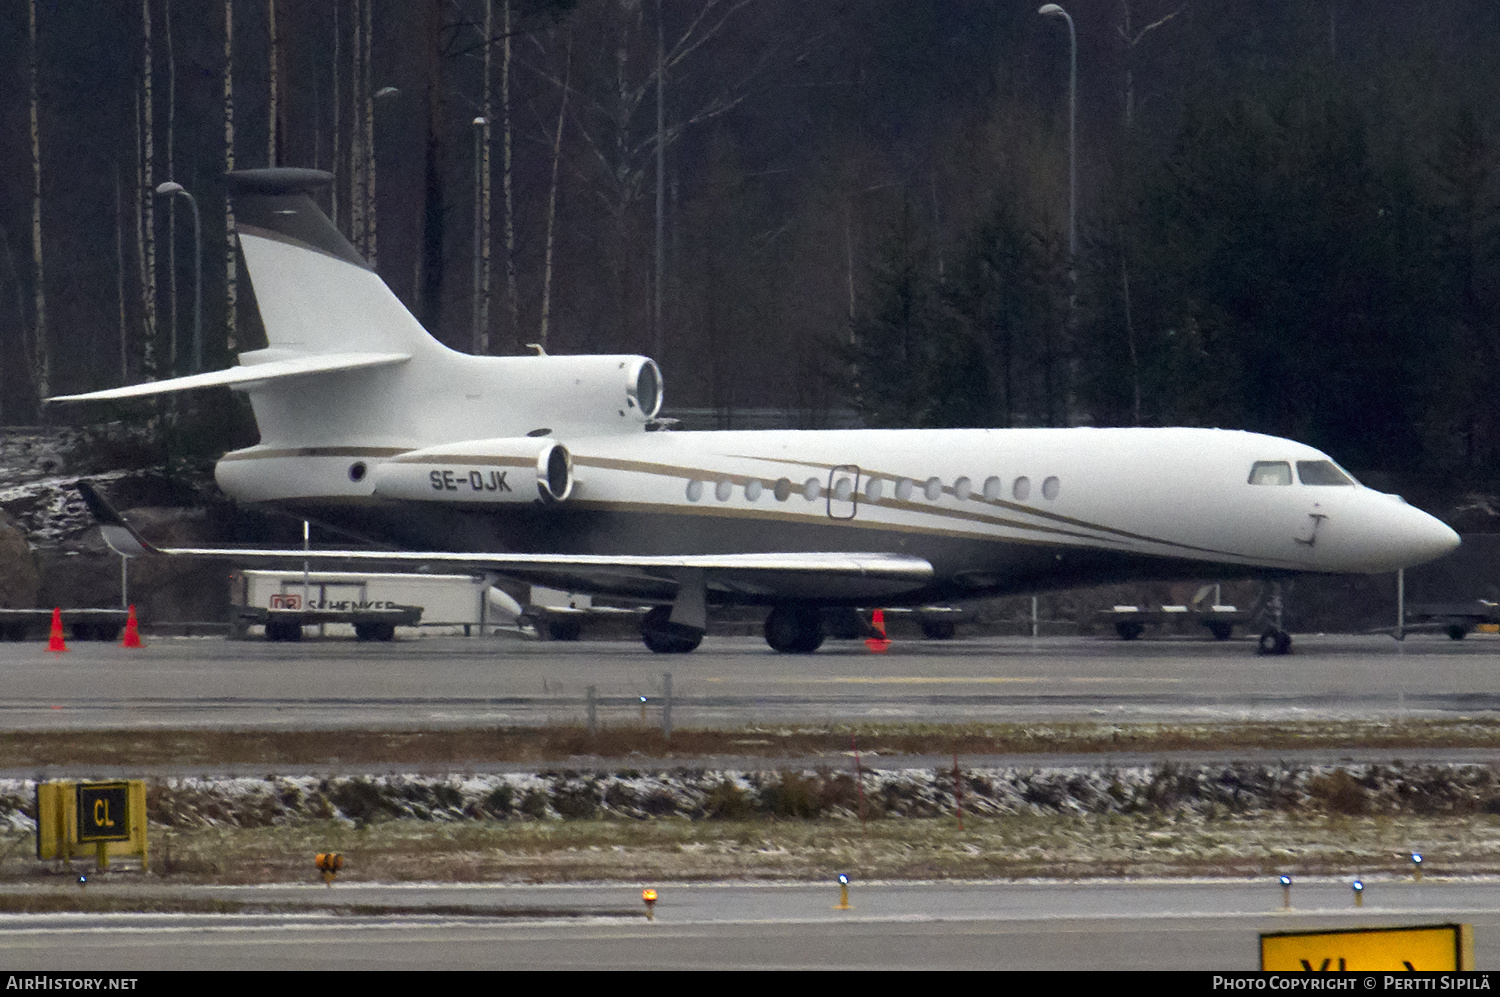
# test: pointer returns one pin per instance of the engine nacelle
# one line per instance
(571, 394)
(480, 472)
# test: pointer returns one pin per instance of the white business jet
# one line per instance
(553, 470)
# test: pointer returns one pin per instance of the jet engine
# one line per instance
(484, 472)
(578, 394)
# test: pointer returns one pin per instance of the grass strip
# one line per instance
(84, 902)
(460, 747)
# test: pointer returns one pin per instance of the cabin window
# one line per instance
(933, 489)
(1050, 488)
(722, 490)
(992, 487)
(874, 490)
(1321, 472)
(903, 490)
(961, 488)
(1271, 472)
(811, 488)
(753, 489)
(783, 490)
(1021, 489)
(694, 490)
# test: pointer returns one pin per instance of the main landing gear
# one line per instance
(665, 637)
(795, 629)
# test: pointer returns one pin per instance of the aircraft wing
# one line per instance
(245, 374)
(798, 574)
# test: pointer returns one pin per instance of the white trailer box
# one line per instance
(446, 600)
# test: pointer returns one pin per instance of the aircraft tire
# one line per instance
(1274, 641)
(662, 636)
(794, 629)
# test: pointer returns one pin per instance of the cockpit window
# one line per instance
(1321, 472)
(1271, 472)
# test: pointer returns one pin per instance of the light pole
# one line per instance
(167, 190)
(479, 125)
(1053, 10)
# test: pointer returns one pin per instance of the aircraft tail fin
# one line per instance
(315, 292)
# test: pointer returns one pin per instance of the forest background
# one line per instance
(1286, 209)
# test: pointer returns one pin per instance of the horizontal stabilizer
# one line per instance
(870, 573)
(246, 374)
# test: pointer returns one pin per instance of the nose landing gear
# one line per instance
(1275, 640)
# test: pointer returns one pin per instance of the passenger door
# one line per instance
(843, 491)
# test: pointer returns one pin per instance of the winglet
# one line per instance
(120, 536)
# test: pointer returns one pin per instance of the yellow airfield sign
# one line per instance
(1426, 948)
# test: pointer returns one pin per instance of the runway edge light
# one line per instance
(1416, 866)
(1359, 892)
(1286, 892)
(843, 903)
(648, 896)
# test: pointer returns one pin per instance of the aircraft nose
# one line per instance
(1386, 534)
(1428, 538)
(1416, 538)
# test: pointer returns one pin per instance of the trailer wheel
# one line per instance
(1221, 631)
(1457, 631)
(82, 631)
(15, 631)
(283, 630)
(1129, 629)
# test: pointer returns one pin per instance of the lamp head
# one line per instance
(1051, 10)
(385, 92)
(170, 187)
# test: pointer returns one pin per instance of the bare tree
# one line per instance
(369, 140)
(273, 72)
(41, 358)
(356, 135)
(333, 197)
(482, 320)
(562, 113)
(231, 264)
(145, 199)
(624, 149)
(171, 175)
(512, 298)
(120, 277)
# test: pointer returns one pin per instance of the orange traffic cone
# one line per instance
(132, 631)
(881, 644)
(55, 641)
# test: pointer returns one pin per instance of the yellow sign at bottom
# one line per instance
(1426, 948)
